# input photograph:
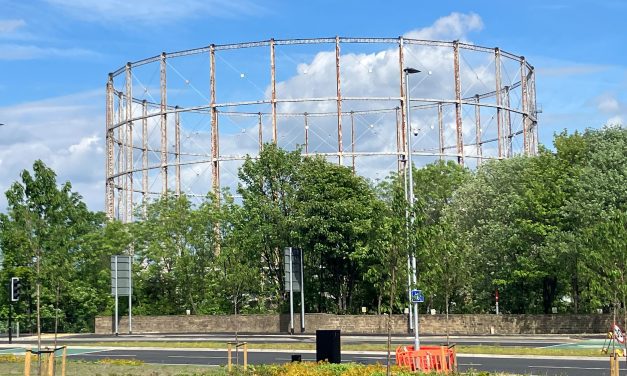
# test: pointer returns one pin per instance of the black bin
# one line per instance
(328, 346)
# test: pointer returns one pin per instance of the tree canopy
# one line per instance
(548, 232)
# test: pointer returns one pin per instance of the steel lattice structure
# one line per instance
(342, 98)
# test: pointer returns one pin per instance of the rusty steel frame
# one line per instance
(121, 167)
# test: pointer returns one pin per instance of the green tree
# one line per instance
(43, 240)
(175, 246)
(268, 188)
(338, 222)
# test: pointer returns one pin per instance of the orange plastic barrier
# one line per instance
(440, 359)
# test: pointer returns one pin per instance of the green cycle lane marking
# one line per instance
(584, 344)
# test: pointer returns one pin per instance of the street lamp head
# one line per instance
(411, 70)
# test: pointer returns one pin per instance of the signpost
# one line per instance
(293, 281)
(121, 285)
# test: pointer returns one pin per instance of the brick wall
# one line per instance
(364, 324)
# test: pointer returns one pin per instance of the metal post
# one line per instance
(458, 105)
(144, 156)
(291, 295)
(306, 135)
(164, 127)
(353, 138)
(10, 316)
(129, 144)
(273, 87)
(415, 304)
(497, 79)
(110, 184)
(260, 125)
(411, 309)
(399, 162)
(411, 199)
(215, 154)
(121, 210)
(115, 263)
(177, 151)
(302, 293)
(130, 293)
(478, 129)
(525, 101)
(508, 124)
(405, 153)
(339, 101)
(441, 130)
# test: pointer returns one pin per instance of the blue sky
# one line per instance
(55, 56)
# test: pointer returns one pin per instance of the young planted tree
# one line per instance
(43, 237)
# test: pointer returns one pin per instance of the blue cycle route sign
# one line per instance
(417, 296)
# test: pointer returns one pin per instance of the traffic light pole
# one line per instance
(10, 322)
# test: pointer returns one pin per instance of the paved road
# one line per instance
(526, 341)
(527, 366)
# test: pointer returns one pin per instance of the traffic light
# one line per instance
(15, 289)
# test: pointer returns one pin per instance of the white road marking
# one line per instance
(196, 357)
(566, 367)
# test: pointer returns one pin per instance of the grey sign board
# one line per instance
(296, 263)
(120, 275)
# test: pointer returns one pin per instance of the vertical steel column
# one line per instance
(525, 106)
(497, 79)
(121, 209)
(353, 138)
(478, 130)
(273, 86)
(306, 135)
(215, 153)
(401, 64)
(260, 124)
(441, 130)
(144, 155)
(177, 151)
(458, 106)
(164, 127)
(406, 168)
(110, 184)
(399, 163)
(129, 143)
(508, 124)
(339, 101)
(534, 111)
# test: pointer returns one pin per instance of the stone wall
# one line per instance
(364, 324)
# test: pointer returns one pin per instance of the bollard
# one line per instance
(245, 355)
(229, 356)
(63, 358)
(51, 363)
(27, 356)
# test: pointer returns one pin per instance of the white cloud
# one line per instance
(453, 26)
(615, 120)
(608, 104)
(9, 26)
(154, 10)
(64, 133)
(28, 52)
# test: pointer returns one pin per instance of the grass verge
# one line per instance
(80, 368)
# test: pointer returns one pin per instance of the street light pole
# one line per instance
(412, 256)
